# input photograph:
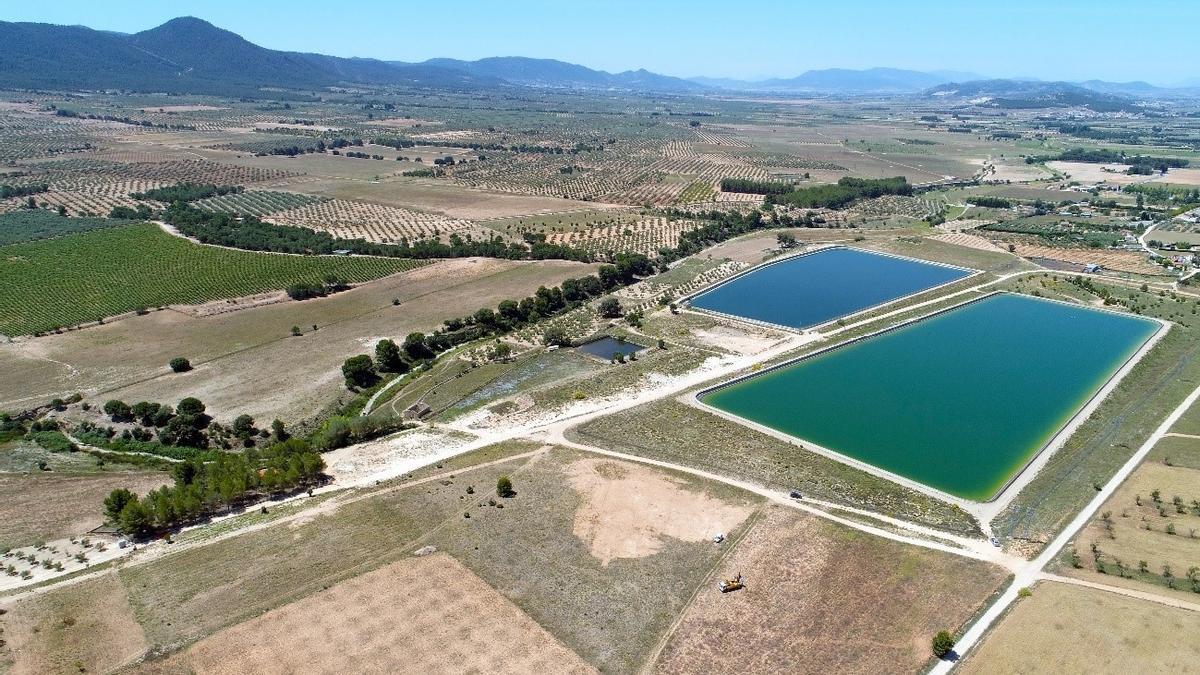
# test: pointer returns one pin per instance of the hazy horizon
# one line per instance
(1092, 39)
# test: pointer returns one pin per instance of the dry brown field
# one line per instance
(1120, 261)
(86, 627)
(1068, 629)
(823, 598)
(1132, 527)
(417, 615)
(43, 506)
(246, 361)
(454, 201)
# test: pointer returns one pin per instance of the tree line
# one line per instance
(63, 112)
(755, 187)
(188, 192)
(205, 488)
(9, 191)
(1142, 163)
(847, 191)
(251, 233)
(990, 202)
(418, 349)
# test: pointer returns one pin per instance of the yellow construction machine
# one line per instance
(734, 584)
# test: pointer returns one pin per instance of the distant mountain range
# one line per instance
(841, 80)
(559, 74)
(189, 55)
(1026, 94)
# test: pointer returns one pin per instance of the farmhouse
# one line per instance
(417, 411)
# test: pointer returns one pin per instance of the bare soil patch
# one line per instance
(628, 509)
(737, 339)
(417, 615)
(1087, 172)
(833, 599)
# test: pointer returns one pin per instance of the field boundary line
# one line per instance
(1127, 592)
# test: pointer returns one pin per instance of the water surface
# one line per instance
(960, 401)
(813, 289)
(607, 347)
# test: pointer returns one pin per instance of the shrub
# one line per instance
(118, 410)
(180, 364)
(943, 642)
(359, 371)
(556, 336)
(610, 308)
(504, 487)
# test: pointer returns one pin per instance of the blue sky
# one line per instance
(1052, 39)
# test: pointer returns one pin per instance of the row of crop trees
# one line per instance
(205, 488)
(418, 349)
(1138, 164)
(1107, 564)
(9, 191)
(251, 233)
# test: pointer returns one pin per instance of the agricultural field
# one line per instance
(1075, 259)
(255, 203)
(373, 222)
(645, 236)
(33, 224)
(295, 377)
(387, 620)
(806, 601)
(1149, 531)
(89, 276)
(1065, 629)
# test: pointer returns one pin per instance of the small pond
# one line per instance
(607, 347)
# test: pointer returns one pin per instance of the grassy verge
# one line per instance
(672, 431)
